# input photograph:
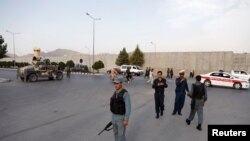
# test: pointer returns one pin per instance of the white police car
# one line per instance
(223, 79)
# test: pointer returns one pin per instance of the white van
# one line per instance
(135, 70)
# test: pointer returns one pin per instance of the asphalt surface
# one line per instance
(76, 109)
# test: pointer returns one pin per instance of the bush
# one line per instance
(8, 64)
(53, 63)
(98, 65)
(70, 63)
(62, 65)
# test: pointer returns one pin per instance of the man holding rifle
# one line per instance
(120, 106)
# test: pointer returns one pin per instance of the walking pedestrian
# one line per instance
(146, 73)
(159, 84)
(68, 72)
(171, 73)
(180, 93)
(199, 97)
(151, 79)
(128, 74)
(168, 73)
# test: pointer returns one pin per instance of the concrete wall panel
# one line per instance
(201, 62)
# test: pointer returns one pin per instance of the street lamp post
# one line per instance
(94, 19)
(154, 47)
(88, 55)
(13, 35)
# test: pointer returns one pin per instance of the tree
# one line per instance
(62, 65)
(3, 48)
(137, 57)
(98, 65)
(53, 63)
(70, 63)
(122, 58)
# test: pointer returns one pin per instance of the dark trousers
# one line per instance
(159, 102)
(128, 77)
(179, 102)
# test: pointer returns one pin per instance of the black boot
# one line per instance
(188, 121)
(161, 113)
(157, 116)
(199, 127)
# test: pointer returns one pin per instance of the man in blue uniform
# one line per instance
(180, 92)
(159, 84)
(120, 106)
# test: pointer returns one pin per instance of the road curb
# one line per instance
(8, 69)
(85, 73)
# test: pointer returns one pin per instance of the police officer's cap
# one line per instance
(181, 71)
(118, 80)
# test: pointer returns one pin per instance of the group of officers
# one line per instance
(120, 104)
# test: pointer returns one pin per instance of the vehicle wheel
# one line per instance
(237, 86)
(32, 78)
(207, 83)
(59, 76)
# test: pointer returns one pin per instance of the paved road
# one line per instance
(78, 108)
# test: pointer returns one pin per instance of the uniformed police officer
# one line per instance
(120, 107)
(159, 84)
(180, 92)
(68, 71)
(199, 96)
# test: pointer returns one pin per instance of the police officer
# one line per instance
(128, 74)
(68, 71)
(199, 96)
(171, 73)
(120, 107)
(180, 92)
(159, 84)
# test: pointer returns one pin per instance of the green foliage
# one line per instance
(98, 65)
(70, 63)
(122, 58)
(3, 48)
(137, 57)
(62, 65)
(85, 69)
(53, 63)
(21, 64)
(8, 64)
(2, 64)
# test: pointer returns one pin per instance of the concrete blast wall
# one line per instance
(200, 62)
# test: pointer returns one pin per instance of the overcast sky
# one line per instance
(172, 25)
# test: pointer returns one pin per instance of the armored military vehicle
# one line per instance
(40, 68)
